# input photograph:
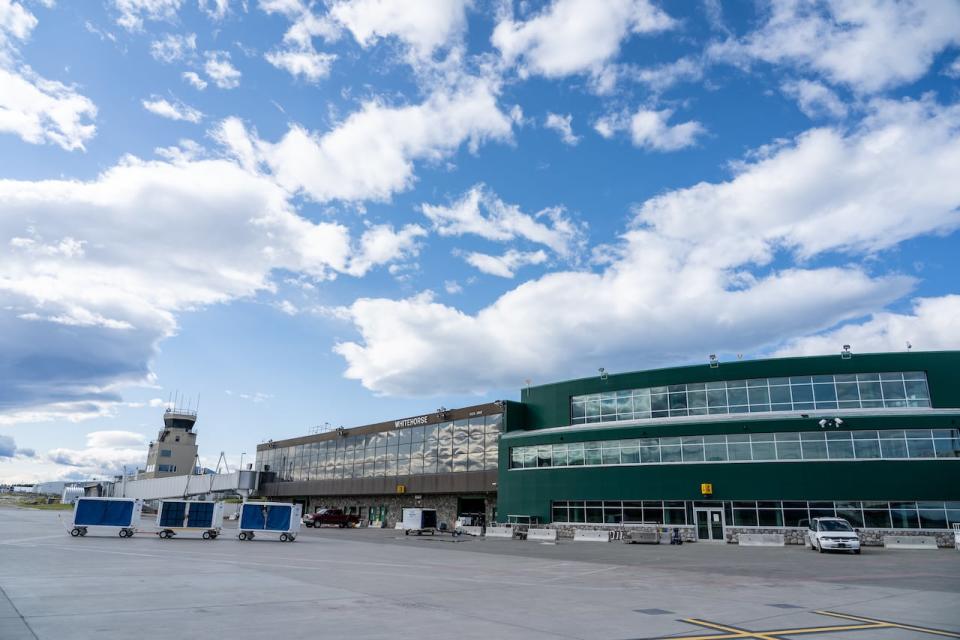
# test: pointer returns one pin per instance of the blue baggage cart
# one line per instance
(269, 517)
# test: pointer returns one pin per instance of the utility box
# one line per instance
(205, 517)
(116, 514)
(270, 517)
(419, 521)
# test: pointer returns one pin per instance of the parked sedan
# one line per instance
(832, 534)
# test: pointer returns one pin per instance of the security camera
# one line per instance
(838, 421)
(822, 423)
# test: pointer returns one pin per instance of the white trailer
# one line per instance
(419, 521)
(182, 516)
(270, 517)
(113, 514)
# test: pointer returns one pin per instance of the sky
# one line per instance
(301, 213)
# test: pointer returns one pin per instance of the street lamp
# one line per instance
(241, 460)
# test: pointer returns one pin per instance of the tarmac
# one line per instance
(364, 583)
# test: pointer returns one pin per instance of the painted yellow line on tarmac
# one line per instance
(828, 629)
(887, 623)
(740, 633)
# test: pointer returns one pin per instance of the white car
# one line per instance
(832, 534)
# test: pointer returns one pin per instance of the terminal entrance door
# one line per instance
(709, 524)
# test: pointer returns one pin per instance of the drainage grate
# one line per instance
(783, 605)
(653, 612)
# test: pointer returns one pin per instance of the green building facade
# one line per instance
(730, 447)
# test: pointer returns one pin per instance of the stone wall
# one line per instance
(566, 531)
(868, 537)
(445, 504)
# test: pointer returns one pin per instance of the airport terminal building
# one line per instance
(722, 448)
(712, 449)
(445, 460)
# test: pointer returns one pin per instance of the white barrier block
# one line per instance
(761, 540)
(472, 531)
(499, 532)
(582, 535)
(910, 542)
(542, 534)
(398, 526)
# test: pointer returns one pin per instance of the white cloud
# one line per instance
(219, 69)
(40, 110)
(575, 36)
(117, 258)
(173, 47)
(664, 76)
(694, 274)
(9, 449)
(310, 64)
(115, 439)
(849, 43)
(106, 453)
(931, 325)
(216, 9)
(371, 154)
(506, 265)
(194, 80)
(381, 244)
(172, 110)
(814, 99)
(561, 124)
(16, 24)
(954, 69)
(649, 129)
(452, 287)
(423, 26)
(480, 212)
(133, 13)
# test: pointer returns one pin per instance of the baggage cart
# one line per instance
(113, 514)
(183, 516)
(270, 517)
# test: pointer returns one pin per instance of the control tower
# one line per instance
(174, 452)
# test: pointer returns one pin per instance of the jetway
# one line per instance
(243, 482)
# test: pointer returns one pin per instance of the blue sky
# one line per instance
(346, 211)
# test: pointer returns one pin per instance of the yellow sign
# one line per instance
(401, 488)
(706, 489)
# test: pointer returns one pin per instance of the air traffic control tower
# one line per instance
(174, 452)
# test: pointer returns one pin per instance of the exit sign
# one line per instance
(706, 489)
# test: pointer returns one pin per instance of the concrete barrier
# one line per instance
(499, 532)
(643, 536)
(761, 540)
(542, 534)
(472, 531)
(582, 535)
(909, 542)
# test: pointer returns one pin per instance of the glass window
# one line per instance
(770, 517)
(575, 454)
(763, 447)
(920, 447)
(649, 451)
(839, 445)
(592, 454)
(629, 452)
(632, 512)
(745, 517)
(544, 455)
(595, 512)
(611, 452)
(670, 450)
(904, 515)
(737, 396)
(738, 451)
(813, 446)
(692, 449)
(892, 444)
(788, 446)
(802, 393)
(559, 455)
(866, 444)
(560, 513)
(933, 519)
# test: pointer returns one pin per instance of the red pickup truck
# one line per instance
(330, 517)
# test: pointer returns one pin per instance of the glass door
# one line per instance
(710, 524)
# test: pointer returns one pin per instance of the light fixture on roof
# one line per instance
(909, 346)
(603, 373)
(846, 354)
(714, 363)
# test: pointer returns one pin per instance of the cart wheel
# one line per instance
(283, 537)
(206, 535)
(214, 535)
(293, 537)
(122, 533)
(406, 532)
(250, 536)
(83, 531)
(75, 532)
(242, 536)
(161, 534)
